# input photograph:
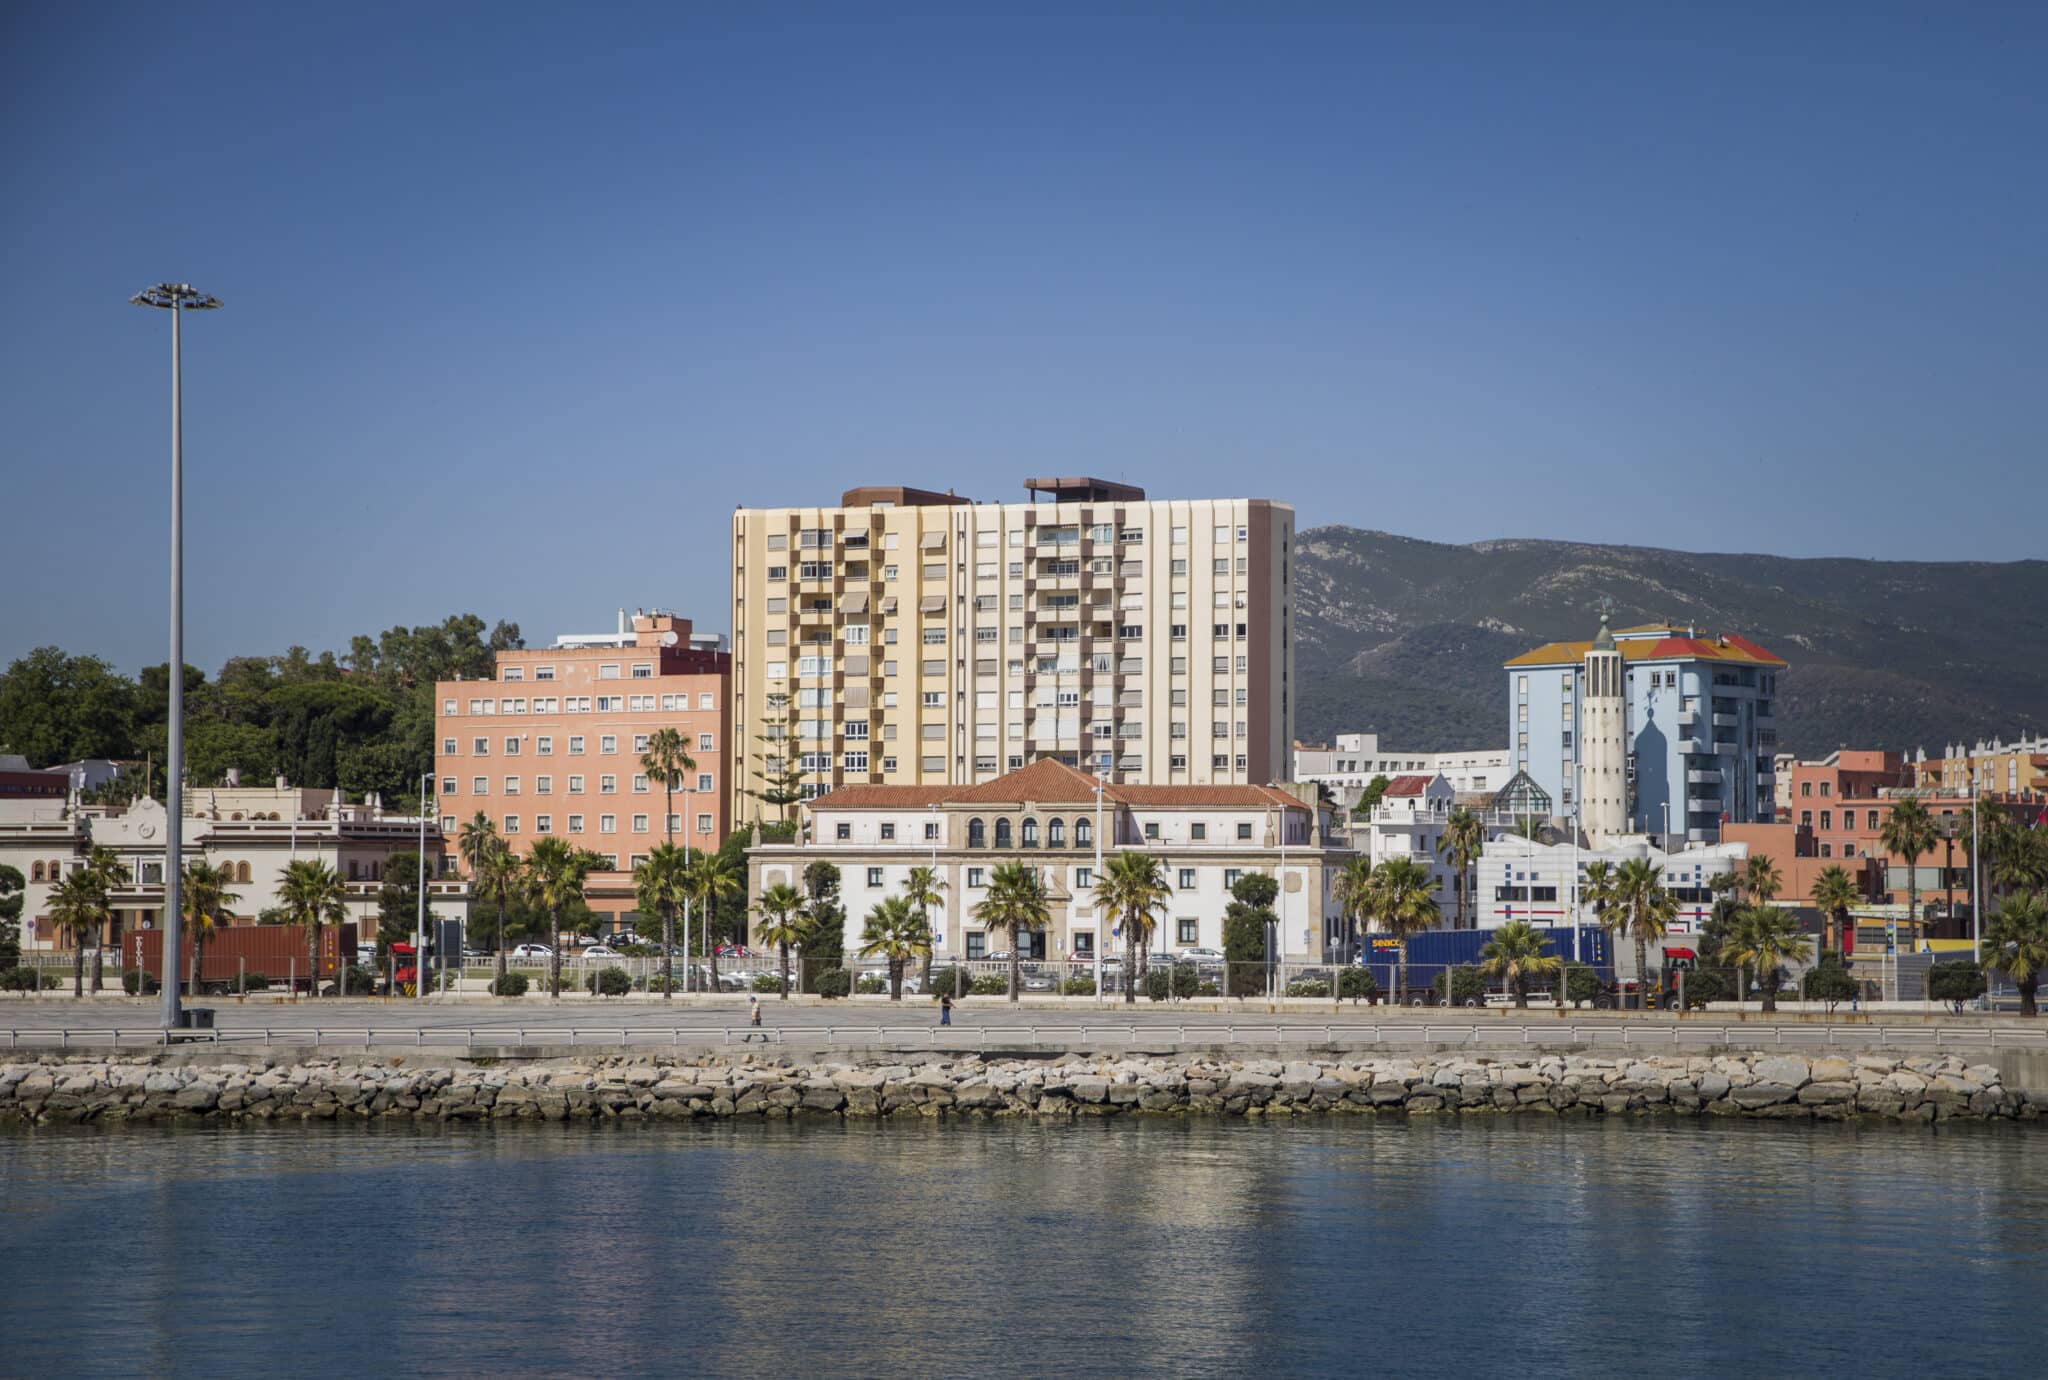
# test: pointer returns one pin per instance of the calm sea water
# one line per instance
(1491, 1247)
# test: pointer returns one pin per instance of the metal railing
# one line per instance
(1648, 1039)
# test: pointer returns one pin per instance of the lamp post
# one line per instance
(1095, 878)
(177, 299)
(689, 975)
(419, 949)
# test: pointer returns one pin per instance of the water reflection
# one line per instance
(1526, 1247)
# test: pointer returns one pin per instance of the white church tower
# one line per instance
(1603, 744)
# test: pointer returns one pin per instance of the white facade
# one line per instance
(1409, 823)
(1355, 759)
(1046, 815)
(1603, 753)
(253, 833)
(1519, 879)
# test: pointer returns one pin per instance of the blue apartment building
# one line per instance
(1700, 723)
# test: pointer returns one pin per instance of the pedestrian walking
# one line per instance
(946, 1009)
(754, 1015)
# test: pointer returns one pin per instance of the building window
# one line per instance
(977, 941)
(1152, 832)
(1244, 831)
(1231, 876)
(1003, 839)
(511, 827)
(1056, 833)
(977, 837)
(888, 833)
(1030, 839)
(1084, 832)
(1189, 929)
(543, 824)
(607, 785)
(639, 824)
(607, 824)
(1187, 879)
(575, 824)
(1198, 832)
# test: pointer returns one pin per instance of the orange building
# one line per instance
(553, 746)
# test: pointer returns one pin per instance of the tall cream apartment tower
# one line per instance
(925, 639)
(1603, 751)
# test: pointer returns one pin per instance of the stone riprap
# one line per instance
(80, 1088)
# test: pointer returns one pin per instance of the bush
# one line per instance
(946, 982)
(1949, 982)
(356, 982)
(768, 982)
(1703, 985)
(833, 982)
(871, 984)
(990, 985)
(1178, 980)
(608, 982)
(1078, 987)
(1466, 985)
(134, 982)
(1308, 987)
(510, 985)
(1358, 982)
(1581, 984)
(1208, 989)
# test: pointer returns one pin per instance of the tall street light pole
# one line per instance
(177, 299)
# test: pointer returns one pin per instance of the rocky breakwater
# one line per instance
(77, 1088)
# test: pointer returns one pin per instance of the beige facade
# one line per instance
(924, 639)
(1049, 815)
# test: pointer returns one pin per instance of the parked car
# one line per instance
(1200, 955)
(1078, 956)
(1040, 982)
(532, 951)
(599, 951)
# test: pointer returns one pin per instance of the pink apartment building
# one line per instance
(553, 746)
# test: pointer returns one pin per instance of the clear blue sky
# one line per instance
(522, 301)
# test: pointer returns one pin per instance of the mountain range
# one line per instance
(1406, 638)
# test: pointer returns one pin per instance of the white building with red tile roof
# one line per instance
(1067, 823)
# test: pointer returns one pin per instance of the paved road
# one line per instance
(979, 1023)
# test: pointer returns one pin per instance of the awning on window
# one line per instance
(854, 603)
(931, 603)
(888, 603)
(933, 541)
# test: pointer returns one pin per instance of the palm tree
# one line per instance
(1353, 892)
(1760, 879)
(1131, 890)
(708, 879)
(925, 889)
(1909, 832)
(659, 884)
(1515, 954)
(1463, 839)
(555, 873)
(781, 909)
(899, 934)
(1766, 938)
(78, 907)
(666, 760)
(1640, 907)
(108, 867)
(2019, 859)
(313, 893)
(1016, 904)
(492, 869)
(2016, 944)
(1834, 892)
(203, 900)
(1403, 903)
(1596, 889)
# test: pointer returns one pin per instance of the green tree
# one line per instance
(1767, 938)
(60, 708)
(398, 900)
(2016, 944)
(825, 949)
(661, 882)
(556, 872)
(313, 893)
(778, 765)
(1463, 840)
(493, 871)
(667, 760)
(1016, 904)
(203, 900)
(708, 880)
(78, 908)
(1834, 893)
(1596, 889)
(1133, 891)
(1352, 891)
(1954, 983)
(1909, 832)
(1402, 903)
(1244, 933)
(1760, 879)
(783, 923)
(1640, 907)
(1515, 954)
(925, 889)
(1369, 798)
(898, 933)
(13, 887)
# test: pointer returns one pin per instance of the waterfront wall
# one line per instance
(58, 1089)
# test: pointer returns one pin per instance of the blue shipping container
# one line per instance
(1430, 952)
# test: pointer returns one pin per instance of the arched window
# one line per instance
(242, 872)
(1056, 833)
(55, 871)
(1030, 833)
(35, 871)
(1084, 832)
(977, 836)
(1002, 833)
